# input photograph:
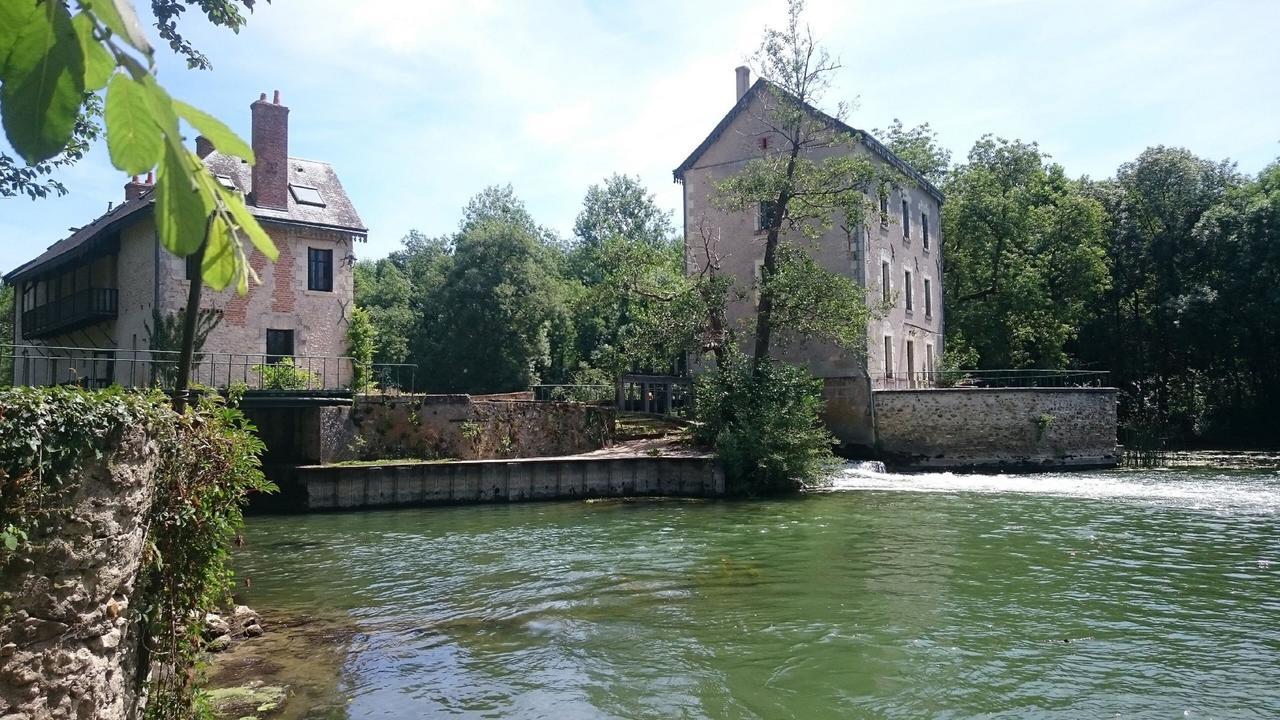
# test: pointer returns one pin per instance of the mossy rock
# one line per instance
(253, 699)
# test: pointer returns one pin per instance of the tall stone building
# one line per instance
(896, 256)
(99, 288)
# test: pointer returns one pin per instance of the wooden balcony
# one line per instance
(81, 308)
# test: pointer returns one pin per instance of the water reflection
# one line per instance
(1123, 593)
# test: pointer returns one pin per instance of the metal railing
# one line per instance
(102, 367)
(1011, 378)
(660, 394)
(574, 393)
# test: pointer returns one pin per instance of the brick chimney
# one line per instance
(271, 148)
(135, 187)
(744, 80)
(203, 147)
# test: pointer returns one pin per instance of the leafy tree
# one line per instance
(361, 343)
(386, 294)
(623, 266)
(490, 319)
(812, 179)
(919, 147)
(1025, 255)
(1159, 318)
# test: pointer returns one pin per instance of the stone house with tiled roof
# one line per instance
(896, 257)
(99, 287)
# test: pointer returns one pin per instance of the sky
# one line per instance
(420, 105)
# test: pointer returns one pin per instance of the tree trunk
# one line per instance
(181, 388)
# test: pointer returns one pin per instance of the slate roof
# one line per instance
(864, 137)
(338, 213)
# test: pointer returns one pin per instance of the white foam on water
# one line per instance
(1253, 492)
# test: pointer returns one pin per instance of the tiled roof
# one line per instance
(864, 137)
(337, 213)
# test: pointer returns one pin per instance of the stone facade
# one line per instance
(914, 335)
(69, 640)
(999, 428)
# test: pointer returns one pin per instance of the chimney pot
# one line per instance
(744, 80)
(151, 177)
(276, 100)
(262, 97)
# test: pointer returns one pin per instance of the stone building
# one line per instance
(85, 306)
(896, 256)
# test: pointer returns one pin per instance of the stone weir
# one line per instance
(408, 483)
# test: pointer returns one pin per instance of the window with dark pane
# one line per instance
(320, 269)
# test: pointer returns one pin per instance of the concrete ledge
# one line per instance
(405, 484)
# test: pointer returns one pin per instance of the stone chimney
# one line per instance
(744, 80)
(135, 187)
(271, 149)
(203, 147)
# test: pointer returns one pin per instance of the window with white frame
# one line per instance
(928, 298)
(907, 287)
(886, 288)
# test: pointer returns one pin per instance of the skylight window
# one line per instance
(226, 182)
(305, 195)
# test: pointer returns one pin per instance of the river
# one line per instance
(1104, 594)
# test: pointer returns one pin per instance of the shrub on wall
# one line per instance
(208, 464)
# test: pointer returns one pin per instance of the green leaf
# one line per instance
(182, 210)
(212, 128)
(118, 15)
(14, 16)
(248, 224)
(219, 266)
(98, 63)
(10, 542)
(133, 138)
(43, 85)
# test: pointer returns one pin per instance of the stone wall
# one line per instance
(68, 648)
(427, 427)
(1010, 428)
(462, 427)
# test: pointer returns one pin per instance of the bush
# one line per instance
(767, 430)
(284, 375)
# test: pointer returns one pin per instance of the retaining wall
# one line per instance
(427, 427)
(69, 636)
(334, 487)
(997, 428)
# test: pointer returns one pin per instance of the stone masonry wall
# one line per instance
(458, 426)
(1013, 428)
(67, 641)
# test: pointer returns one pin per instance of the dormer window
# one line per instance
(305, 195)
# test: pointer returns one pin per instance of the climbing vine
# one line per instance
(207, 466)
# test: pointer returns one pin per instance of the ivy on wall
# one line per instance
(208, 464)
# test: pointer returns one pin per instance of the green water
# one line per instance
(1113, 594)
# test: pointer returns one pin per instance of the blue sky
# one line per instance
(419, 105)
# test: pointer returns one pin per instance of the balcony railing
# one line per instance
(83, 307)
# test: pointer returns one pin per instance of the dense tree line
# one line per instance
(1167, 275)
